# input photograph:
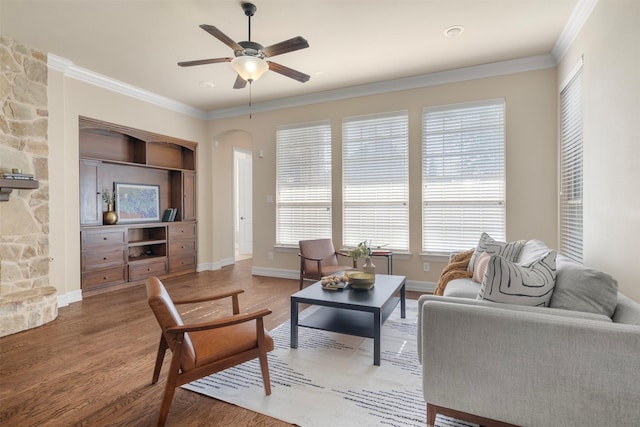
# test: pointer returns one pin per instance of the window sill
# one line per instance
(435, 257)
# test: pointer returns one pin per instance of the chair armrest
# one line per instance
(355, 262)
(309, 259)
(209, 298)
(558, 370)
(219, 323)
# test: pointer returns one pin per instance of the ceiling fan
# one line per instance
(249, 61)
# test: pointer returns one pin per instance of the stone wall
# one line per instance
(24, 219)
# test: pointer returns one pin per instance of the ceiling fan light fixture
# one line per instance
(249, 68)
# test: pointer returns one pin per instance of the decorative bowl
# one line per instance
(361, 281)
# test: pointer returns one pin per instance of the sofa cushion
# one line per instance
(528, 284)
(510, 251)
(584, 289)
(462, 288)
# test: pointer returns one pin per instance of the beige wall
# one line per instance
(608, 42)
(222, 194)
(70, 98)
(531, 159)
(611, 85)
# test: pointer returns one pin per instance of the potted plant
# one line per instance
(363, 249)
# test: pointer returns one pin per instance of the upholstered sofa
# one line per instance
(575, 362)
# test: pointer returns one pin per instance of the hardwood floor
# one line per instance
(92, 366)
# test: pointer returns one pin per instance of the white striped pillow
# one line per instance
(510, 250)
(530, 284)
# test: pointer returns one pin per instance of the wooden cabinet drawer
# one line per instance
(103, 277)
(182, 247)
(183, 263)
(103, 258)
(142, 270)
(182, 230)
(97, 239)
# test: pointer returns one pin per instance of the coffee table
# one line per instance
(350, 311)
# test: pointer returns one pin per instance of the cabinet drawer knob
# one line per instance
(104, 258)
(105, 277)
(104, 238)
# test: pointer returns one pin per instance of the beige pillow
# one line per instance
(480, 267)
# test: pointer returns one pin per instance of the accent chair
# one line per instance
(318, 258)
(201, 349)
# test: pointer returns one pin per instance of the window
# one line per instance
(463, 175)
(571, 167)
(303, 182)
(375, 180)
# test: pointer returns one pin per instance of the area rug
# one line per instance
(330, 379)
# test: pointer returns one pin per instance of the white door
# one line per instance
(245, 189)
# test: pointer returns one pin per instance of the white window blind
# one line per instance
(303, 182)
(571, 168)
(463, 175)
(375, 177)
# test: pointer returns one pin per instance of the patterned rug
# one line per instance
(330, 379)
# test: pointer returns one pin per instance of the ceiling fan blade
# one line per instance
(289, 72)
(203, 62)
(240, 83)
(290, 45)
(221, 36)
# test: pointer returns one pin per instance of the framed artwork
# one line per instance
(137, 202)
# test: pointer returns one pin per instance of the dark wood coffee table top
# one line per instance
(350, 311)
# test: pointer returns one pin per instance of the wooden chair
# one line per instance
(201, 349)
(319, 258)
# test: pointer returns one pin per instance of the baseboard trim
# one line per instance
(215, 265)
(70, 297)
(275, 272)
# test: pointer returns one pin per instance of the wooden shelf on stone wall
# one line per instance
(8, 185)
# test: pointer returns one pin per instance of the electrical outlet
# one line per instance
(270, 256)
(426, 266)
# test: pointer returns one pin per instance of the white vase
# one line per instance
(368, 266)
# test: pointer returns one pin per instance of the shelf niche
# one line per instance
(121, 144)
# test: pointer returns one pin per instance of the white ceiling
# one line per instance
(352, 42)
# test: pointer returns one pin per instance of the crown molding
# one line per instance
(69, 69)
(577, 19)
(432, 79)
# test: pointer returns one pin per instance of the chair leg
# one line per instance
(301, 272)
(166, 400)
(431, 415)
(172, 381)
(162, 348)
(264, 366)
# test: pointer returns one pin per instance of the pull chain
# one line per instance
(250, 99)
